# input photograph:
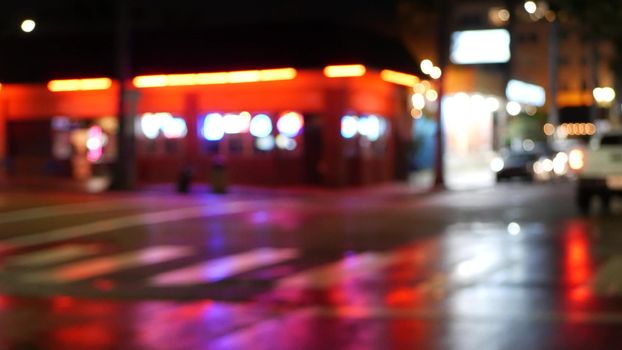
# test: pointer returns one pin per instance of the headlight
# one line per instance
(497, 164)
(547, 165)
(576, 159)
(560, 163)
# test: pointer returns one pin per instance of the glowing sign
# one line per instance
(95, 144)
(349, 126)
(398, 78)
(152, 124)
(369, 126)
(351, 70)
(236, 123)
(480, 46)
(265, 143)
(261, 126)
(290, 124)
(234, 77)
(286, 143)
(79, 84)
(175, 128)
(213, 127)
(525, 93)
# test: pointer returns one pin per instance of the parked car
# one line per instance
(598, 169)
(509, 165)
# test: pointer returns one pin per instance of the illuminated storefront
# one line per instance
(333, 126)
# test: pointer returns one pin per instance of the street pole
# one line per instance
(444, 21)
(594, 63)
(553, 115)
(124, 170)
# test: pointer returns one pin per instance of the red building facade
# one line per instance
(340, 126)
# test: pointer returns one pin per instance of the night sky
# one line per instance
(77, 38)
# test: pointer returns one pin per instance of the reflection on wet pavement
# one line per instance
(497, 283)
(475, 287)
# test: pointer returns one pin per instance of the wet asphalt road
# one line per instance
(510, 267)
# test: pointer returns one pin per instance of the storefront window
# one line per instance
(161, 133)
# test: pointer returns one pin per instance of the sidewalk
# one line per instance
(99, 185)
(95, 185)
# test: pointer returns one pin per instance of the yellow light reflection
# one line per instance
(343, 71)
(399, 78)
(278, 74)
(234, 77)
(182, 79)
(79, 84)
(247, 76)
(211, 78)
(150, 81)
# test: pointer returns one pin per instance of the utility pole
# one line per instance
(444, 22)
(553, 117)
(124, 170)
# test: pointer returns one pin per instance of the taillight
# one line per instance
(576, 159)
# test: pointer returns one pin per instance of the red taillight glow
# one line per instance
(576, 159)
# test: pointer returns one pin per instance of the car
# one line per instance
(509, 165)
(598, 169)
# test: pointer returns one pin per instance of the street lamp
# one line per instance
(28, 25)
(531, 7)
(436, 73)
(426, 66)
(604, 96)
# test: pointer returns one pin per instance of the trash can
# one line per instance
(218, 175)
(184, 180)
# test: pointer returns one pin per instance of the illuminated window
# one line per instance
(349, 126)
(213, 127)
(290, 124)
(370, 127)
(153, 125)
(95, 144)
(265, 144)
(285, 142)
(261, 126)
(175, 128)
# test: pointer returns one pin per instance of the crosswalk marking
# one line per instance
(110, 264)
(64, 209)
(108, 225)
(221, 268)
(52, 255)
(368, 264)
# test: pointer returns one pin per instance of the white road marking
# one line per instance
(107, 225)
(52, 255)
(64, 210)
(110, 264)
(222, 268)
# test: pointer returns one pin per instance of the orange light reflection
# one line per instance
(343, 71)
(79, 84)
(398, 78)
(234, 77)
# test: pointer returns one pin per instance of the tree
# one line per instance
(597, 22)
